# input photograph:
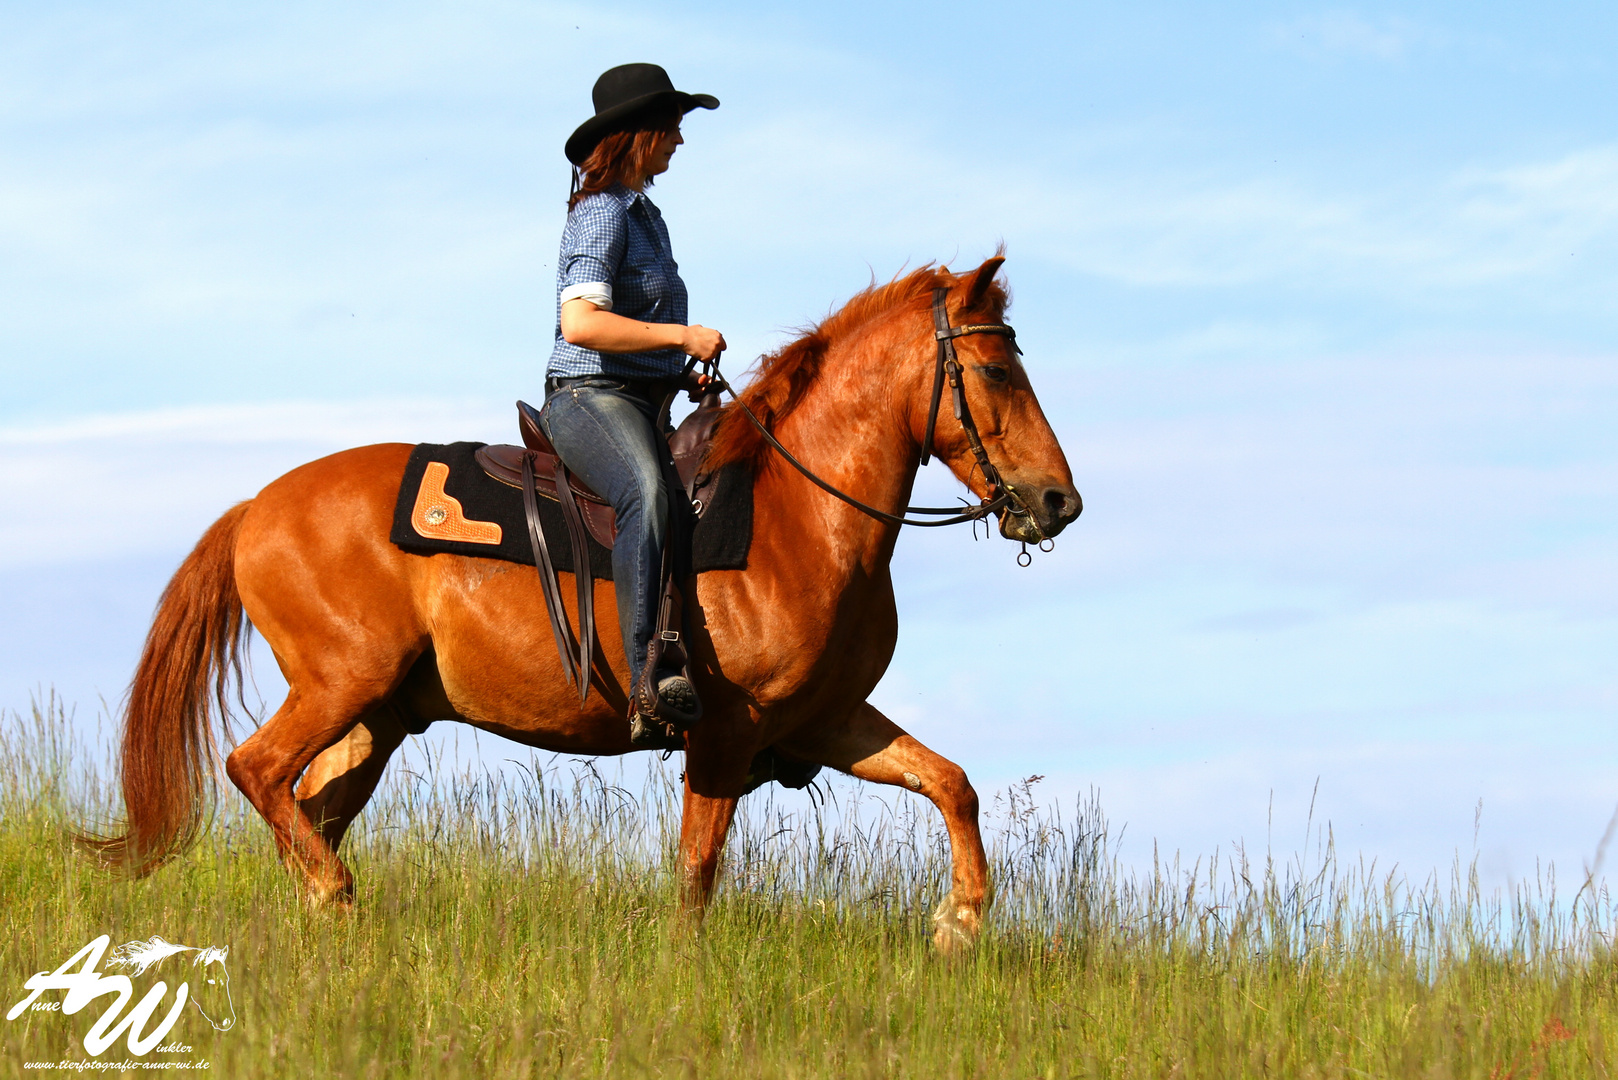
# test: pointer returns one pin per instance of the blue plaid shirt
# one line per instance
(618, 238)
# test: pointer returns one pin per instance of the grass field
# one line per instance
(526, 927)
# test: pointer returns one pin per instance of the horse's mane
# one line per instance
(781, 378)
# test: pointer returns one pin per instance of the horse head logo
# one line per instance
(212, 997)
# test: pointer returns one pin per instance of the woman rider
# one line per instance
(622, 340)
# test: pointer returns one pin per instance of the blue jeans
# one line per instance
(608, 438)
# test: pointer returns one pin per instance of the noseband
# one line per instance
(1001, 496)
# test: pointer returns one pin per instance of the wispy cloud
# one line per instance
(153, 480)
(1347, 33)
(256, 211)
(301, 422)
(1534, 223)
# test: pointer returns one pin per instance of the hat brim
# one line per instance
(584, 140)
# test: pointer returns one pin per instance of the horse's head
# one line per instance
(1001, 401)
(879, 350)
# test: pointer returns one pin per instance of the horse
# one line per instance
(373, 639)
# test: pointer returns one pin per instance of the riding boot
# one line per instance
(658, 719)
(646, 733)
(677, 699)
(663, 705)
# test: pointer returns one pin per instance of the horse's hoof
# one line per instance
(955, 927)
(330, 897)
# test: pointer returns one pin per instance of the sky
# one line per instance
(1322, 302)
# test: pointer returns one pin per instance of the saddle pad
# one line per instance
(447, 503)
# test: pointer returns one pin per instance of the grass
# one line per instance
(525, 927)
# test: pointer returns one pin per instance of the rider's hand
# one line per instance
(697, 384)
(702, 343)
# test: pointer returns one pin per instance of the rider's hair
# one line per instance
(626, 153)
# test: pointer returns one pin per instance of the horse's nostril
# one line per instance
(1062, 505)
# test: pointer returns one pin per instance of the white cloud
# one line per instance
(1347, 33)
(1532, 225)
(1542, 218)
(260, 201)
(127, 485)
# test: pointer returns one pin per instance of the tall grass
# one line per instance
(523, 924)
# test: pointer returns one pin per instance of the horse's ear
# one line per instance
(977, 285)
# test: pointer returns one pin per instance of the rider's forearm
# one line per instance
(589, 327)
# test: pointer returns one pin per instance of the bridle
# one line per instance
(1002, 496)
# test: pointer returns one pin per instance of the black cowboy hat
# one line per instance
(622, 92)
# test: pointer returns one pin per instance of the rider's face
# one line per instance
(665, 151)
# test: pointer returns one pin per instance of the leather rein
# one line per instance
(948, 368)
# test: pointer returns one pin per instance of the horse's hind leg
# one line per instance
(342, 608)
(338, 784)
(872, 747)
(267, 764)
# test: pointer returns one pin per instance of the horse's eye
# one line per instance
(996, 372)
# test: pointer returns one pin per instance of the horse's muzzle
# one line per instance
(1049, 509)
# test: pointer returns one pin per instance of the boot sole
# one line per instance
(677, 701)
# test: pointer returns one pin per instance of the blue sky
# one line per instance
(1321, 301)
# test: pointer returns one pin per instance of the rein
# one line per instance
(1001, 497)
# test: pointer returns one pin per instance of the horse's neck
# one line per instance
(845, 432)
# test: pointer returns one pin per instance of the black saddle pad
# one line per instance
(490, 523)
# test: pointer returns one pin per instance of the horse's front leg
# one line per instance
(716, 765)
(872, 747)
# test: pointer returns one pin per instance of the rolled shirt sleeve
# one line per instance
(598, 293)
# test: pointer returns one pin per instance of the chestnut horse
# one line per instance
(785, 651)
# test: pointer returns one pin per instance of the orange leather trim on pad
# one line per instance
(439, 516)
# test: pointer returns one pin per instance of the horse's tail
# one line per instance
(191, 658)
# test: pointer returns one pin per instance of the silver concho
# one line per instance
(437, 515)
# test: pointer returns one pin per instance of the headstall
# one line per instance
(1001, 495)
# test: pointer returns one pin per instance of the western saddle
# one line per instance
(538, 472)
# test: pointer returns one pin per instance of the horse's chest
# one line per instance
(842, 659)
